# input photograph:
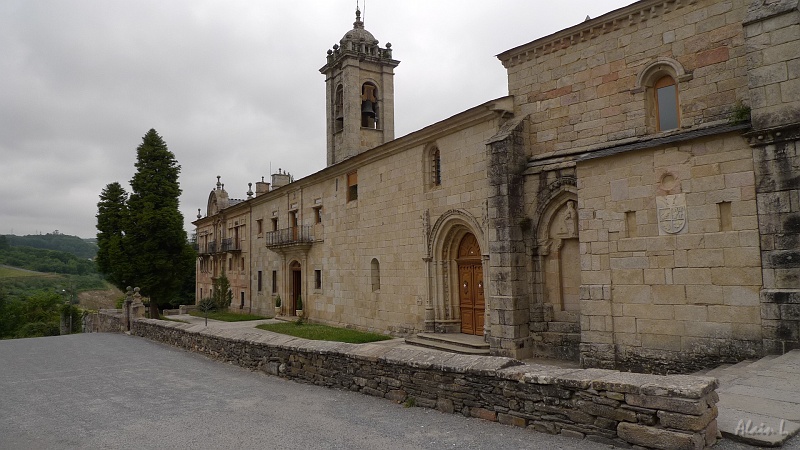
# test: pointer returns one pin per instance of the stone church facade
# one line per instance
(633, 203)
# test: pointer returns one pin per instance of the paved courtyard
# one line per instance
(113, 391)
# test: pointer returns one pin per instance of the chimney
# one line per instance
(280, 179)
(262, 187)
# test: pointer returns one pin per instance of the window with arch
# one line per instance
(665, 92)
(375, 274)
(436, 167)
(659, 80)
(369, 106)
(338, 109)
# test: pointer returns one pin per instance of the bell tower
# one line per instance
(359, 92)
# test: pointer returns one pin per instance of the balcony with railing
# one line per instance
(231, 245)
(290, 238)
(209, 248)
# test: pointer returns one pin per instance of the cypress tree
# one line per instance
(112, 213)
(155, 240)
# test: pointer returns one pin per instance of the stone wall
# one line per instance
(105, 321)
(581, 85)
(670, 299)
(773, 30)
(676, 412)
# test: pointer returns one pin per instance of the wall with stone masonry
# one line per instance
(678, 300)
(609, 407)
(772, 30)
(106, 321)
(390, 221)
(580, 85)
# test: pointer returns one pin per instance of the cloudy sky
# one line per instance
(232, 86)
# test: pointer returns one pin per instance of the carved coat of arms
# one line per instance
(671, 213)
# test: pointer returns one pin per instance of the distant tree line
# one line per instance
(42, 260)
(79, 247)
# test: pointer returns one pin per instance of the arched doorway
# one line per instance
(295, 288)
(470, 285)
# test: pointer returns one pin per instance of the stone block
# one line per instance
(704, 294)
(687, 422)
(667, 326)
(625, 325)
(696, 313)
(669, 294)
(734, 314)
(733, 276)
(741, 295)
(609, 412)
(647, 311)
(508, 419)
(696, 275)
(658, 438)
(631, 294)
(715, 330)
(694, 407)
(484, 414)
(627, 276)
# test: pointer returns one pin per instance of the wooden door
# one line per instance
(470, 286)
(296, 287)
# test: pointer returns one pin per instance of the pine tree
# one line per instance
(155, 240)
(112, 213)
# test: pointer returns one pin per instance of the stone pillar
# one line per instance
(772, 38)
(508, 293)
(137, 306)
(126, 309)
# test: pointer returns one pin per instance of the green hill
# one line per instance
(82, 248)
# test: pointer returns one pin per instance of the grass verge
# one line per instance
(319, 332)
(172, 320)
(227, 316)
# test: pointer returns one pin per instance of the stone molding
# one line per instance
(624, 17)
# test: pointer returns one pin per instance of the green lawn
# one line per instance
(13, 272)
(320, 332)
(227, 316)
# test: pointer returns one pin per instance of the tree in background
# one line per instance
(154, 245)
(112, 214)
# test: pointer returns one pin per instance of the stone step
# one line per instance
(446, 346)
(465, 340)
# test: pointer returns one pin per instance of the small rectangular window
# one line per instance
(630, 224)
(242, 267)
(318, 214)
(725, 216)
(260, 225)
(274, 281)
(259, 281)
(230, 264)
(352, 186)
(317, 279)
(274, 224)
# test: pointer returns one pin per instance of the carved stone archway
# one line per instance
(442, 311)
